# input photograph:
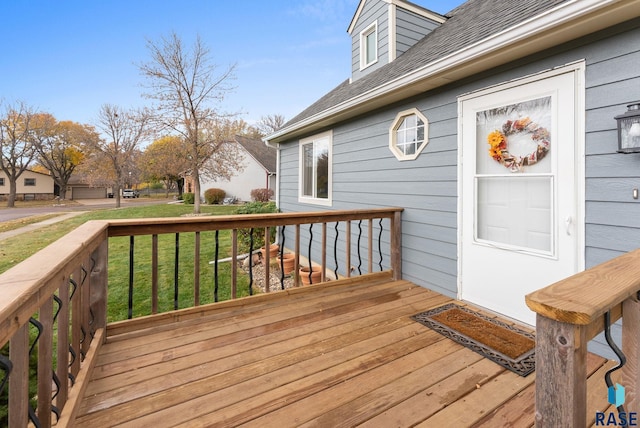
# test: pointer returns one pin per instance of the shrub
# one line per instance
(261, 195)
(214, 196)
(188, 198)
(244, 235)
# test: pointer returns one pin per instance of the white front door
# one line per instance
(520, 209)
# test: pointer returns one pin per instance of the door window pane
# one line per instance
(516, 211)
(515, 138)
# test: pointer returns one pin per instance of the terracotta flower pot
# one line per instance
(316, 275)
(273, 251)
(288, 262)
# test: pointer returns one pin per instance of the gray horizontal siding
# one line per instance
(371, 12)
(366, 174)
(410, 28)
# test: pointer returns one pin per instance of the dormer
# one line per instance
(382, 30)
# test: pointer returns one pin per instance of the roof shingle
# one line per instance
(469, 23)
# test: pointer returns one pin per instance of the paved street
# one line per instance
(7, 214)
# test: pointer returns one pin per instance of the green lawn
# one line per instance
(15, 250)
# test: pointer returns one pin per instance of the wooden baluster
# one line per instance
(85, 277)
(296, 267)
(370, 254)
(267, 259)
(396, 246)
(62, 365)
(98, 285)
(45, 363)
(76, 324)
(323, 276)
(19, 378)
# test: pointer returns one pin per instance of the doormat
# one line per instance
(505, 344)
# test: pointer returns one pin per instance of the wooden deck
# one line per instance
(344, 353)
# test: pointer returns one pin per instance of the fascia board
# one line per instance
(356, 15)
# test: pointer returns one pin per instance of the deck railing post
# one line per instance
(561, 374)
(630, 348)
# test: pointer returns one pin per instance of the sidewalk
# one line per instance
(35, 226)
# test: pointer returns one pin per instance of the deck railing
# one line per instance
(569, 314)
(53, 311)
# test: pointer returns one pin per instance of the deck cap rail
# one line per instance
(26, 286)
(128, 227)
(586, 296)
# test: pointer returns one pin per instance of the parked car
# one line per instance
(130, 193)
(230, 200)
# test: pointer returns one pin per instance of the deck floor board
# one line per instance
(340, 354)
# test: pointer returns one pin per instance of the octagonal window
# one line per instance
(409, 134)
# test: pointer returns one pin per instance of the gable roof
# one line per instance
(479, 35)
(2, 173)
(263, 154)
(407, 5)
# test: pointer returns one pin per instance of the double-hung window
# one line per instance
(315, 169)
(369, 46)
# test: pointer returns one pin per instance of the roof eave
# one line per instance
(563, 23)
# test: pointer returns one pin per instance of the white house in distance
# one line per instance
(259, 171)
(31, 185)
(78, 188)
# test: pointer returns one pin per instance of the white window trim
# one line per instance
(306, 199)
(393, 137)
(373, 28)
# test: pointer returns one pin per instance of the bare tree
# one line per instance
(16, 148)
(124, 132)
(188, 89)
(269, 124)
(60, 146)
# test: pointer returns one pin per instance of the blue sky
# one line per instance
(68, 57)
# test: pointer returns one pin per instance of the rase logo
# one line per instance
(621, 419)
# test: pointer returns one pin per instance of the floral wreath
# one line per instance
(498, 142)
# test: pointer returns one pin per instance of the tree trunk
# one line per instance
(180, 185)
(196, 192)
(11, 199)
(117, 195)
(62, 192)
